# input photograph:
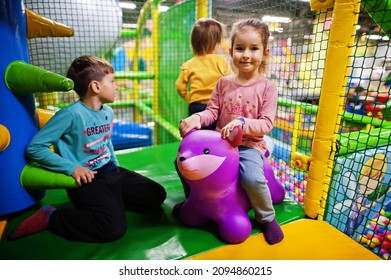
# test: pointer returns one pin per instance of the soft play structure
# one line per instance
(332, 163)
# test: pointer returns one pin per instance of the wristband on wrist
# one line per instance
(242, 121)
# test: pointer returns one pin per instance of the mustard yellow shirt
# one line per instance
(201, 73)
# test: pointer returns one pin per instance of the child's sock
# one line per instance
(35, 223)
(272, 232)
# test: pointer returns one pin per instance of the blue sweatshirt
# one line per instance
(81, 136)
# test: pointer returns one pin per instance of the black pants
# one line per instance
(197, 107)
(99, 207)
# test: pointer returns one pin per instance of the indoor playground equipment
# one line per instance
(127, 133)
(336, 199)
(17, 101)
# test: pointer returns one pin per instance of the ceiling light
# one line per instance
(276, 19)
(163, 9)
(377, 37)
(126, 5)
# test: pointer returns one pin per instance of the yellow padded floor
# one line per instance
(304, 240)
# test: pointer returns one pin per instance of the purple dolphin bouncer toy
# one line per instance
(210, 165)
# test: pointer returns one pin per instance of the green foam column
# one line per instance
(34, 177)
(22, 78)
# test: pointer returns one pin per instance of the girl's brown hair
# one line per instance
(258, 26)
(205, 35)
(85, 69)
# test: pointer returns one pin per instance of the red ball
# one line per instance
(386, 244)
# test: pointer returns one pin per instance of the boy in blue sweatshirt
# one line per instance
(81, 134)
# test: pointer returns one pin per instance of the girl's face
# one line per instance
(108, 89)
(247, 52)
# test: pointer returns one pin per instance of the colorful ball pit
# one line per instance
(293, 180)
(377, 234)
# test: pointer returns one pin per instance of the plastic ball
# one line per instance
(380, 230)
(369, 234)
(362, 239)
(373, 242)
(386, 256)
(372, 223)
(386, 244)
(378, 237)
(383, 220)
(388, 235)
(383, 251)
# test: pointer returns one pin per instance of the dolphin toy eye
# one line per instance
(206, 151)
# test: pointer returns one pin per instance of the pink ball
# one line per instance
(372, 225)
(378, 237)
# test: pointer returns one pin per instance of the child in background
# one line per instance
(355, 103)
(81, 133)
(248, 100)
(199, 75)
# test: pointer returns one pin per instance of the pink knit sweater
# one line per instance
(256, 103)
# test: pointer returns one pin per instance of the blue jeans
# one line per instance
(253, 181)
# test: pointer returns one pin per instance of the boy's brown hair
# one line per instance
(85, 69)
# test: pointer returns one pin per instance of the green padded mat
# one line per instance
(150, 236)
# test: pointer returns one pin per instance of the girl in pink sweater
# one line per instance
(249, 100)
